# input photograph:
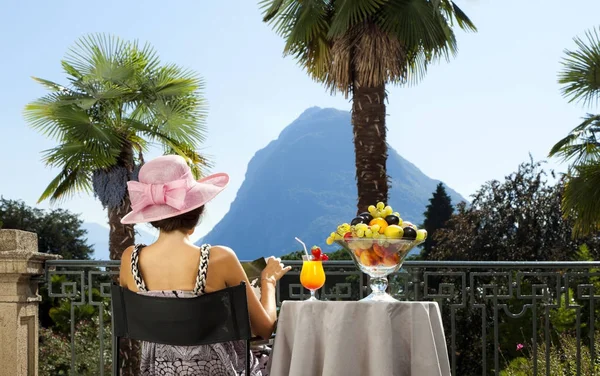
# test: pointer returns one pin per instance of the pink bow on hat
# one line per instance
(172, 193)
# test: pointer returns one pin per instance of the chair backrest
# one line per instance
(221, 316)
(216, 317)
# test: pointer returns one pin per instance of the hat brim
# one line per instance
(202, 192)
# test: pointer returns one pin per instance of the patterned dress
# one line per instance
(223, 359)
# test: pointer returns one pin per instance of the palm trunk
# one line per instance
(120, 238)
(370, 146)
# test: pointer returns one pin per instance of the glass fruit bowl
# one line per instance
(378, 258)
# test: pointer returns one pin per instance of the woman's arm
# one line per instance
(263, 313)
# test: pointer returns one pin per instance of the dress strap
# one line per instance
(202, 269)
(135, 270)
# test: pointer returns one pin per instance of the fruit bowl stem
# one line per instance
(378, 286)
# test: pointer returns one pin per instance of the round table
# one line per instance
(359, 338)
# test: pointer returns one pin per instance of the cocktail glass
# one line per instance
(312, 275)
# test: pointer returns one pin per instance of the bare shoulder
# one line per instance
(126, 257)
(226, 264)
(223, 253)
(225, 257)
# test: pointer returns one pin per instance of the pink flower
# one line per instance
(520, 346)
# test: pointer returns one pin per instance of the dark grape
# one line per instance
(392, 219)
(367, 216)
(410, 233)
(358, 220)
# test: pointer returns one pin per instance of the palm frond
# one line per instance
(581, 198)
(580, 75)
(453, 13)
(77, 154)
(174, 81)
(65, 184)
(73, 74)
(582, 144)
(351, 12)
(270, 8)
(69, 117)
(50, 85)
(181, 119)
(51, 113)
(420, 27)
(306, 38)
(94, 55)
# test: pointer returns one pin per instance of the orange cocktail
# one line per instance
(312, 276)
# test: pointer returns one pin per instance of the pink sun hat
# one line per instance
(167, 188)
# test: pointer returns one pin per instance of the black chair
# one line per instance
(221, 316)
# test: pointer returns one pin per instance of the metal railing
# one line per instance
(488, 308)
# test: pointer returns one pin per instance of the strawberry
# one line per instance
(347, 235)
(324, 257)
(316, 252)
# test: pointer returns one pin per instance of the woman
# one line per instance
(170, 199)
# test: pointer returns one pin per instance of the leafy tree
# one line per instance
(519, 219)
(438, 212)
(59, 231)
(581, 82)
(357, 47)
(119, 99)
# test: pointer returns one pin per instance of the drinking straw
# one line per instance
(303, 245)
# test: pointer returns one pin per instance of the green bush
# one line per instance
(55, 350)
(563, 358)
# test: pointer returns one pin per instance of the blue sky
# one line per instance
(470, 121)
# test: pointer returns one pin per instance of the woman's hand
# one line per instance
(274, 270)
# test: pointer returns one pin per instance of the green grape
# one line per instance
(362, 226)
(343, 228)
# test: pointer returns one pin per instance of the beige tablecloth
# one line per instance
(359, 339)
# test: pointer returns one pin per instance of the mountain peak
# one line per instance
(303, 184)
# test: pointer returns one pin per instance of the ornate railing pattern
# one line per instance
(476, 299)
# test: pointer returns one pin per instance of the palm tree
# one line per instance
(357, 47)
(118, 102)
(580, 78)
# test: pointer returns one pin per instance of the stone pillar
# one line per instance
(20, 263)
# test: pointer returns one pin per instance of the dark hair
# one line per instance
(183, 222)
